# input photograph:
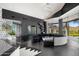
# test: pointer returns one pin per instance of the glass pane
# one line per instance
(74, 28)
(33, 30)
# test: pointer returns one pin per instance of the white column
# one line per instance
(0, 13)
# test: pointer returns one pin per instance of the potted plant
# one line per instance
(12, 33)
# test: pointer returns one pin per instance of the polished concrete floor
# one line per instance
(71, 49)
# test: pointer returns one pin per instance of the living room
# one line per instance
(46, 33)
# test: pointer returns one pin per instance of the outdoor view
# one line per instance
(74, 28)
(7, 27)
(11, 30)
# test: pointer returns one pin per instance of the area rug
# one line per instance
(29, 51)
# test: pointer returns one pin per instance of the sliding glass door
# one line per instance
(74, 28)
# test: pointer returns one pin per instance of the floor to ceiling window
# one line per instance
(10, 29)
(73, 28)
(54, 28)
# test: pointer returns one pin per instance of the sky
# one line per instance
(74, 23)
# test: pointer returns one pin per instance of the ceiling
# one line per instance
(67, 7)
(38, 10)
(72, 14)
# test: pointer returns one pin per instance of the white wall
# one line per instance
(0, 13)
